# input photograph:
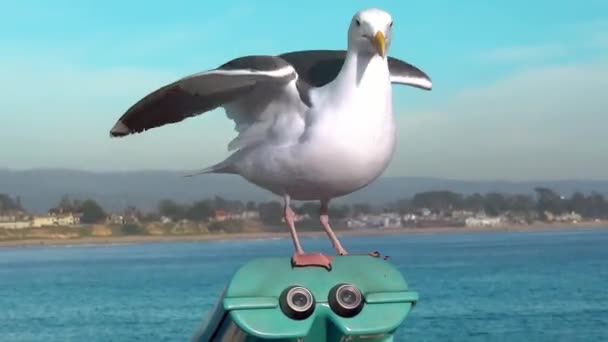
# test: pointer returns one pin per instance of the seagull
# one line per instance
(311, 125)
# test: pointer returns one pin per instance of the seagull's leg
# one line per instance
(300, 258)
(289, 217)
(324, 218)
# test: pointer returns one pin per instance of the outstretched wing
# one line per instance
(255, 91)
(232, 82)
(319, 67)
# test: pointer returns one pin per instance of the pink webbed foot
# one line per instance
(311, 259)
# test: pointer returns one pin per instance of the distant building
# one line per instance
(483, 221)
(462, 214)
(249, 214)
(44, 221)
(391, 220)
(566, 217)
(425, 212)
(116, 219)
(66, 219)
(354, 223)
(15, 224)
(384, 220)
(8, 218)
(221, 215)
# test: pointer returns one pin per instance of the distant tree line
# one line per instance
(8, 204)
(89, 209)
(270, 212)
(589, 206)
(593, 205)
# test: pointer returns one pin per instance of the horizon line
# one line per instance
(185, 171)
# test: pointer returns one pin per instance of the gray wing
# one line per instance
(233, 82)
(319, 67)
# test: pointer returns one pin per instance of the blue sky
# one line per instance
(518, 86)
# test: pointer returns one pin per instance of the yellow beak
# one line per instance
(380, 43)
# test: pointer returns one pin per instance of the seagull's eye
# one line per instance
(391, 24)
(357, 22)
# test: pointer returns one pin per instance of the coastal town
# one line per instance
(421, 218)
(219, 215)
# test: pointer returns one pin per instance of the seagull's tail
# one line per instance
(222, 167)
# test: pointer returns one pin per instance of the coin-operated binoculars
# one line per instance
(360, 298)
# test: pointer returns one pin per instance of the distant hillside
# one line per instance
(42, 188)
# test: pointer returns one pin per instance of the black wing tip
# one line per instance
(429, 82)
(423, 81)
(119, 130)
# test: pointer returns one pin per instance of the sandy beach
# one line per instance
(320, 233)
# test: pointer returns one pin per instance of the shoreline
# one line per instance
(285, 235)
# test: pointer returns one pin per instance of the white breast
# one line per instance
(348, 142)
(352, 141)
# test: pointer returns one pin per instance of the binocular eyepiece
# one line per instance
(346, 300)
(297, 302)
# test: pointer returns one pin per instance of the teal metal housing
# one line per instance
(253, 306)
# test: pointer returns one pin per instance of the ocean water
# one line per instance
(507, 286)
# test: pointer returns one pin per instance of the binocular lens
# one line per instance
(348, 297)
(297, 302)
(345, 300)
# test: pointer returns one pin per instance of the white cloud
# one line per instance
(592, 35)
(546, 122)
(598, 40)
(523, 53)
(43, 84)
(57, 115)
(58, 109)
(572, 40)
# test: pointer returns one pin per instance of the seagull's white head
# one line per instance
(370, 32)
